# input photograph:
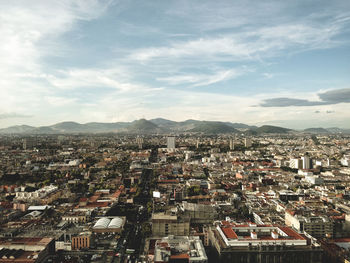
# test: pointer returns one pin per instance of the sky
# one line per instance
(283, 63)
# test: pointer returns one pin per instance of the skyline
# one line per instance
(285, 64)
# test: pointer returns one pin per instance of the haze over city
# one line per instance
(282, 63)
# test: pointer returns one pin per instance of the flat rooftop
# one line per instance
(242, 235)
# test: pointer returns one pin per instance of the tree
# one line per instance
(193, 190)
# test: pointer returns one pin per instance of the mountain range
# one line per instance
(160, 126)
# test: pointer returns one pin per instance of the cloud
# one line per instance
(268, 75)
(326, 98)
(255, 44)
(336, 96)
(13, 115)
(287, 102)
(58, 64)
(30, 33)
(197, 80)
(115, 78)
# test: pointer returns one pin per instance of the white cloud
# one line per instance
(32, 32)
(29, 33)
(268, 75)
(258, 43)
(60, 101)
(197, 80)
(116, 78)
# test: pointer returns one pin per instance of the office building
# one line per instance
(247, 143)
(295, 163)
(307, 162)
(164, 224)
(139, 142)
(171, 142)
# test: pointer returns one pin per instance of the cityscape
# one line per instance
(248, 195)
(174, 131)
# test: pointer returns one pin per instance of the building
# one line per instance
(109, 225)
(81, 240)
(180, 249)
(75, 217)
(199, 213)
(345, 161)
(247, 143)
(25, 249)
(171, 142)
(314, 179)
(295, 163)
(139, 141)
(232, 144)
(317, 226)
(307, 162)
(45, 195)
(164, 224)
(29, 143)
(262, 243)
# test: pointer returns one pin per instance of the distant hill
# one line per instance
(67, 126)
(212, 128)
(316, 130)
(17, 129)
(98, 127)
(159, 126)
(163, 122)
(271, 129)
(143, 126)
(240, 125)
(338, 130)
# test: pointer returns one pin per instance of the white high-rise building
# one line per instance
(171, 142)
(247, 142)
(232, 144)
(139, 142)
(295, 163)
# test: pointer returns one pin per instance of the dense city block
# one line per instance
(166, 198)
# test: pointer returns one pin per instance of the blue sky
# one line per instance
(283, 63)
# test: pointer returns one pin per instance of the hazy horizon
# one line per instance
(282, 63)
(297, 128)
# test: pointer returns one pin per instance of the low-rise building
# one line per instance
(262, 243)
(180, 249)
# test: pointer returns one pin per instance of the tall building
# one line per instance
(139, 142)
(232, 144)
(307, 162)
(295, 163)
(247, 142)
(171, 142)
(29, 143)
